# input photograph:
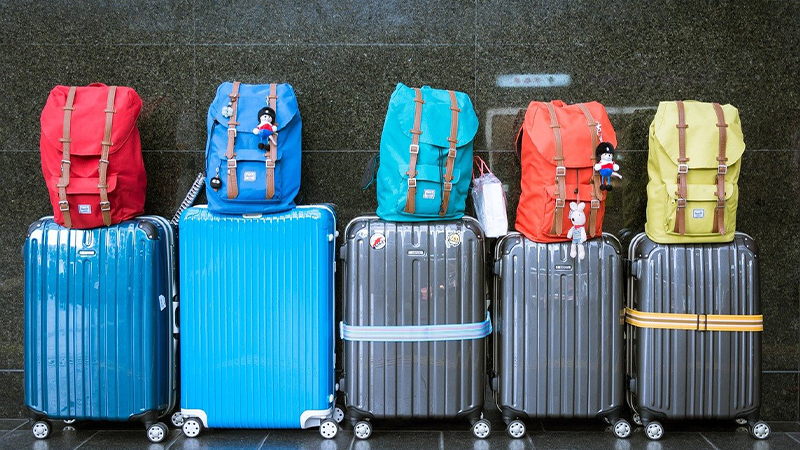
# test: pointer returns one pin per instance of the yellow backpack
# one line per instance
(693, 166)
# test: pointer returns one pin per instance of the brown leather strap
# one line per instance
(683, 170)
(561, 173)
(230, 154)
(595, 191)
(272, 154)
(414, 151)
(451, 153)
(722, 170)
(63, 182)
(105, 205)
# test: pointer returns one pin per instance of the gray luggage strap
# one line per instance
(416, 333)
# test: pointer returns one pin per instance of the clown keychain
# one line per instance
(605, 166)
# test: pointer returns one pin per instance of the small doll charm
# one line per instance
(577, 233)
(606, 166)
(227, 111)
(266, 128)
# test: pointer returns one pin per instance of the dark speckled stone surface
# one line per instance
(344, 60)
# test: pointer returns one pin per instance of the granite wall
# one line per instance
(344, 59)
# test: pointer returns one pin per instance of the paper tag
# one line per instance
(84, 209)
(249, 175)
(162, 302)
(429, 194)
(698, 213)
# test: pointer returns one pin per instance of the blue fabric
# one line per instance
(433, 148)
(251, 169)
(416, 333)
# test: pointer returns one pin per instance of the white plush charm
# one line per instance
(227, 111)
(577, 233)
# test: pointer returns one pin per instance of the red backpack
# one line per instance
(557, 143)
(92, 155)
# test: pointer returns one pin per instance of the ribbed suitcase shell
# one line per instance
(257, 317)
(681, 374)
(558, 336)
(418, 278)
(99, 327)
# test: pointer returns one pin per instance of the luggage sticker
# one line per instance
(453, 239)
(377, 241)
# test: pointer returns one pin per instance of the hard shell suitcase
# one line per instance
(690, 363)
(558, 337)
(414, 323)
(100, 339)
(257, 316)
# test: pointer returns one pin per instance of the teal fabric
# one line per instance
(433, 148)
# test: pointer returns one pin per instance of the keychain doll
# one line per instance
(577, 233)
(606, 166)
(266, 128)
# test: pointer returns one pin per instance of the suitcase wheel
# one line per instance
(654, 431)
(482, 429)
(741, 421)
(41, 429)
(69, 421)
(516, 429)
(177, 419)
(328, 428)
(637, 419)
(192, 427)
(363, 429)
(760, 430)
(622, 429)
(338, 414)
(157, 432)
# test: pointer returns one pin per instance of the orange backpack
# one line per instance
(557, 143)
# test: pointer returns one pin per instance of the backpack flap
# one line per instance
(90, 118)
(436, 115)
(253, 97)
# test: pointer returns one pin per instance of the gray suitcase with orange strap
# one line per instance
(414, 322)
(701, 371)
(558, 335)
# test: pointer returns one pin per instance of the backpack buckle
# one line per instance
(105, 206)
(561, 171)
(448, 186)
(270, 163)
(412, 183)
(560, 203)
(413, 149)
(681, 203)
(720, 203)
(232, 163)
(683, 168)
(595, 203)
(451, 153)
(722, 169)
(231, 131)
(63, 205)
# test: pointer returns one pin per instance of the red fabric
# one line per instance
(126, 178)
(536, 144)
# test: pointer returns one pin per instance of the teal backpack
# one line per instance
(426, 155)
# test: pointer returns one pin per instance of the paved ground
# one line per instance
(15, 434)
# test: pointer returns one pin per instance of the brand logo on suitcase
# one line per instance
(563, 267)
(377, 241)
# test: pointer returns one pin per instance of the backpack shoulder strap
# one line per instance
(451, 153)
(66, 140)
(561, 173)
(722, 170)
(413, 149)
(230, 154)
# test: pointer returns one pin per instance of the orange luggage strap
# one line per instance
(683, 170)
(694, 322)
(272, 154)
(63, 182)
(595, 204)
(722, 170)
(413, 149)
(230, 154)
(105, 205)
(561, 173)
(451, 153)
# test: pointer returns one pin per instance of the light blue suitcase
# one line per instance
(257, 320)
(99, 330)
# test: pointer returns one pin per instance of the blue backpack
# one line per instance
(426, 155)
(253, 149)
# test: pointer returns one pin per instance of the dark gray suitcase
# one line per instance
(414, 274)
(692, 374)
(558, 335)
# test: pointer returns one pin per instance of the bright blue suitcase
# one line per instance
(99, 330)
(257, 319)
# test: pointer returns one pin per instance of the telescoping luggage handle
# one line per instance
(414, 152)
(416, 333)
(696, 322)
(683, 171)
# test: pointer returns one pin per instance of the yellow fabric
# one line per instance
(698, 322)
(702, 149)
